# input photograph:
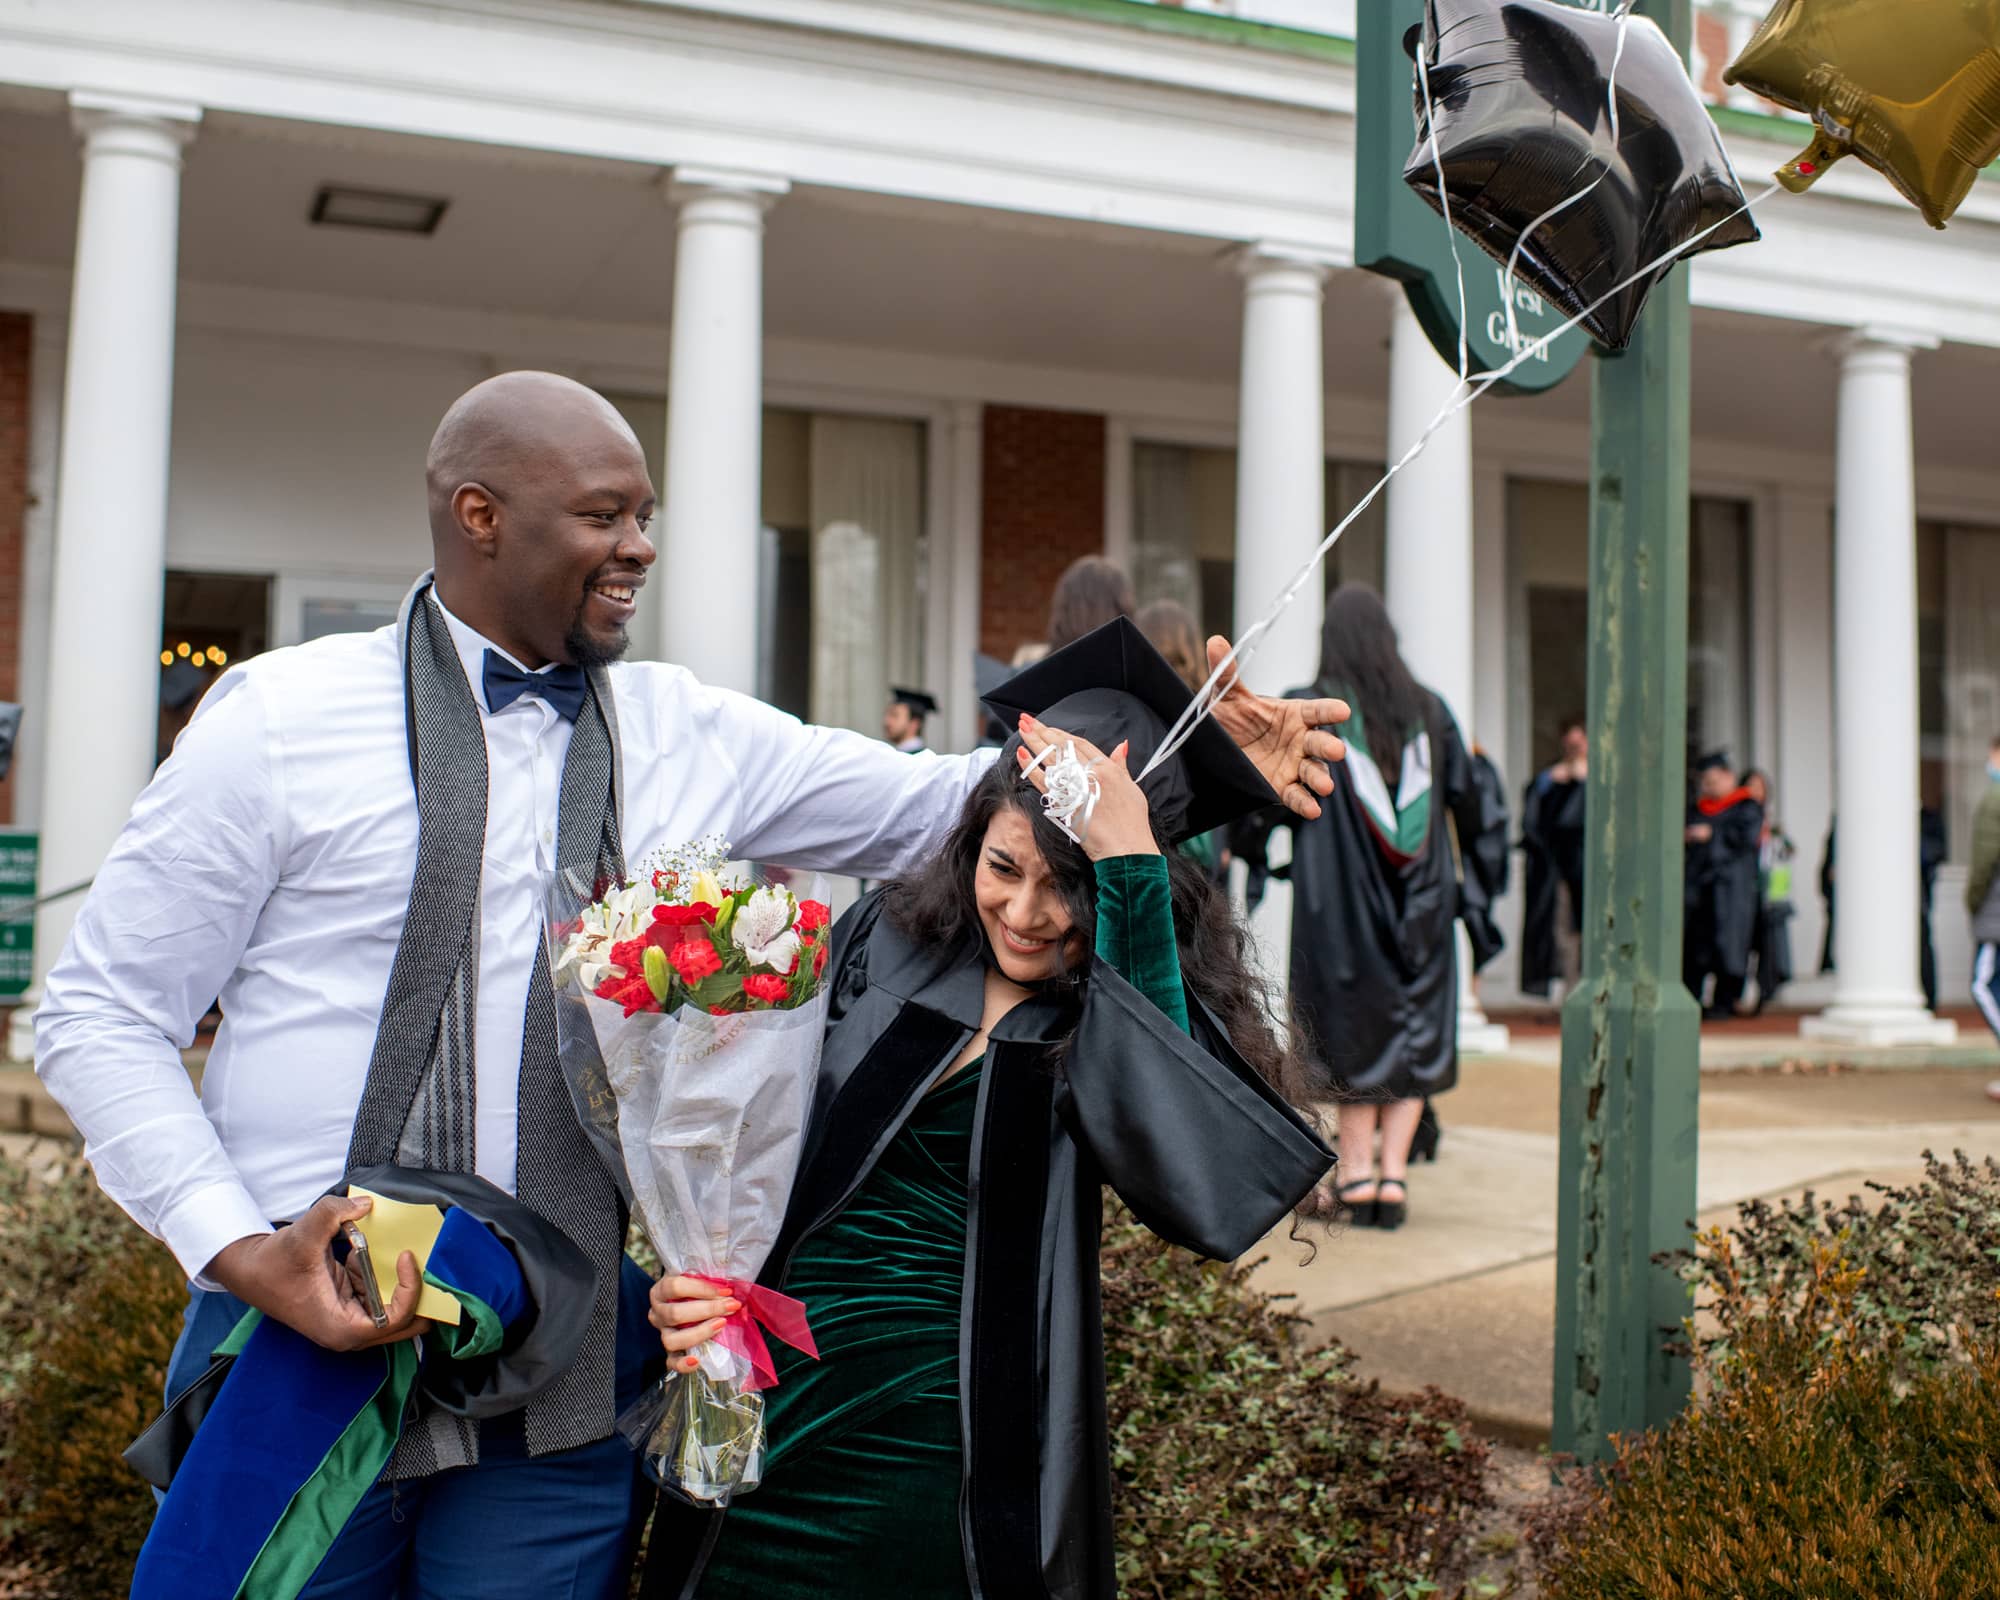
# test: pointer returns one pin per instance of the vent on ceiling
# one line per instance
(380, 209)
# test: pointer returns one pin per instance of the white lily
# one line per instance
(763, 930)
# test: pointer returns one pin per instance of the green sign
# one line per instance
(18, 851)
(1399, 236)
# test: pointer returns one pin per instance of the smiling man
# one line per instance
(351, 844)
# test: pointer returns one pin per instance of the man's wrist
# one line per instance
(234, 1268)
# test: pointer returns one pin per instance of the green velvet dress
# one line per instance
(862, 1468)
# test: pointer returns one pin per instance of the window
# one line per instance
(1548, 528)
(842, 571)
(1184, 529)
(1958, 669)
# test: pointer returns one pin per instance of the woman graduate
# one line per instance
(1051, 1006)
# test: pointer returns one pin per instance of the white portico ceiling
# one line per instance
(562, 240)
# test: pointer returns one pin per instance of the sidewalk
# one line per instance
(1463, 1295)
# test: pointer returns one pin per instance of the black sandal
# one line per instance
(1360, 1213)
(1391, 1213)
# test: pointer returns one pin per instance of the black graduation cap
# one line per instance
(1112, 685)
(920, 704)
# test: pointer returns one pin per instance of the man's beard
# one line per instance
(588, 652)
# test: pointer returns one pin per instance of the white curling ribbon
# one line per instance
(1070, 790)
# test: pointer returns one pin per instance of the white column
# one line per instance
(1877, 996)
(1280, 504)
(1280, 458)
(1428, 566)
(715, 399)
(968, 438)
(103, 697)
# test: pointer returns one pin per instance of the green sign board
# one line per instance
(18, 851)
(1398, 235)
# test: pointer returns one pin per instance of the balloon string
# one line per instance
(1222, 678)
(1444, 198)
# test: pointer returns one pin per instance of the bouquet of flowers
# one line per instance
(689, 1011)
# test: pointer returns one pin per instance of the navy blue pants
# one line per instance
(515, 1527)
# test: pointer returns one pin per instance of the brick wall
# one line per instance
(16, 348)
(1711, 47)
(1041, 506)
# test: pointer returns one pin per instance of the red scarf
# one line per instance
(1715, 805)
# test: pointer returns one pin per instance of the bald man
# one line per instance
(351, 843)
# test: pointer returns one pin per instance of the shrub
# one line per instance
(1836, 1452)
(1246, 1468)
(1926, 1260)
(89, 1310)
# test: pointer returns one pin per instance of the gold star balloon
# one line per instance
(1912, 87)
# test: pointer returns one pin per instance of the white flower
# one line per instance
(763, 930)
(586, 954)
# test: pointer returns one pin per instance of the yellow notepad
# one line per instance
(393, 1226)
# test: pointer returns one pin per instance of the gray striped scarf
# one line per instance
(418, 1106)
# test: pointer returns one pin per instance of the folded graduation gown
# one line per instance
(298, 1434)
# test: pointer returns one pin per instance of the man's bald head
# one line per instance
(539, 501)
(512, 428)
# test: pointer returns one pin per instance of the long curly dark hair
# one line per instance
(936, 907)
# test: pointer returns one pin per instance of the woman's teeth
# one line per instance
(1027, 947)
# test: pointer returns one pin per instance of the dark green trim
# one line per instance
(1783, 128)
(1196, 25)
(1777, 127)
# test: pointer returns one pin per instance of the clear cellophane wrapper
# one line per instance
(701, 1120)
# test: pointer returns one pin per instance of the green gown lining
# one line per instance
(862, 1469)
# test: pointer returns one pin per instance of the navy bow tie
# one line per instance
(562, 686)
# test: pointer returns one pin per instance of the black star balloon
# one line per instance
(1912, 87)
(1519, 108)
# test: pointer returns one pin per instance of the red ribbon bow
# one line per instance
(741, 1336)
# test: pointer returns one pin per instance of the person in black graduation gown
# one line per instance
(1374, 961)
(1552, 822)
(1024, 1022)
(1723, 886)
(903, 719)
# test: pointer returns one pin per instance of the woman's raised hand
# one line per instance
(1120, 823)
(687, 1312)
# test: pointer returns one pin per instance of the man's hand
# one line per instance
(291, 1275)
(1286, 739)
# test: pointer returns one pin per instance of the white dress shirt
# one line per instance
(270, 862)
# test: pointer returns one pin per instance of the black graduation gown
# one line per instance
(1374, 962)
(1723, 893)
(1189, 1136)
(1552, 816)
(1483, 863)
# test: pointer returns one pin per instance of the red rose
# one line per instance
(718, 1011)
(684, 916)
(819, 961)
(765, 986)
(635, 994)
(812, 914)
(694, 959)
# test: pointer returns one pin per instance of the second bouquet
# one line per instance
(689, 1012)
